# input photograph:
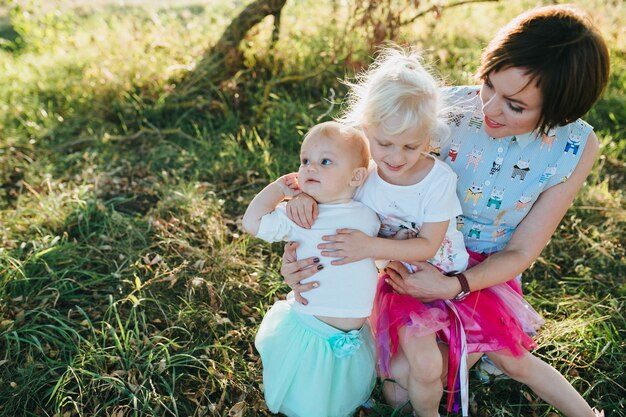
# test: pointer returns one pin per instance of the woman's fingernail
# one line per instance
(320, 267)
(315, 284)
(316, 260)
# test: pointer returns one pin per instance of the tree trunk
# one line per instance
(247, 19)
(225, 58)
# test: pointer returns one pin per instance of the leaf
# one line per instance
(134, 300)
(162, 366)
(237, 410)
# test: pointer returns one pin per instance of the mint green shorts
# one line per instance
(311, 369)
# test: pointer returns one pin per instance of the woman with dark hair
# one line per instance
(521, 154)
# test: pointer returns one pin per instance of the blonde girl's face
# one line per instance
(398, 157)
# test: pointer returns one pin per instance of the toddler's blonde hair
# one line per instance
(337, 131)
(396, 84)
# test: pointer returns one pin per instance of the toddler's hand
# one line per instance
(289, 184)
(302, 210)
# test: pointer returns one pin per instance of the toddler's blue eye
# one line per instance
(305, 161)
(326, 161)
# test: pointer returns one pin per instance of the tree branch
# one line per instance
(443, 7)
(246, 20)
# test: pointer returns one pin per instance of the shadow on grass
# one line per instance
(151, 297)
(120, 313)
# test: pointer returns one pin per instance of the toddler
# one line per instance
(319, 359)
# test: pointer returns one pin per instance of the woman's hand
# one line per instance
(302, 210)
(294, 271)
(426, 284)
(348, 244)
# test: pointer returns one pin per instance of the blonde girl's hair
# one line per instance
(396, 93)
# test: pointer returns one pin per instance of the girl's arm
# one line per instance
(266, 201)
(531, 236)
(352, 245)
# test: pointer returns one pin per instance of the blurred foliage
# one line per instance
(127, 287)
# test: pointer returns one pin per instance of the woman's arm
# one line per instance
(531, 236)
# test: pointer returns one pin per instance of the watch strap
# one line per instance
(463, 281)
(465, 288)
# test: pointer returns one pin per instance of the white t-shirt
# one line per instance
(431, 200)
(345, 291)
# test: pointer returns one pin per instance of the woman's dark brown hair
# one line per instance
(562, 51)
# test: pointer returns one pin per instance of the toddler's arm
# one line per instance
(266, 201)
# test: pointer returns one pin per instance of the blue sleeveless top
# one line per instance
(500, 179)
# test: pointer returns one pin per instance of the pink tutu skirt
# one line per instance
(493, 319)
(393, 311)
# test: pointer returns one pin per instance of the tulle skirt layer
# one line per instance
(497, 319)
(311, 369)
(493, 319)
(393, 311)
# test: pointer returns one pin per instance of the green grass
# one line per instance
(126, 285)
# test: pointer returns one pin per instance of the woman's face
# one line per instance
(511, 103)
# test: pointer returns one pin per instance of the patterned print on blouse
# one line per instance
(500, 179)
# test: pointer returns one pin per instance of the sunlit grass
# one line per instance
(127, 287)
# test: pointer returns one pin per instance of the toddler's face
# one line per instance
(326, 169)
(397, 156)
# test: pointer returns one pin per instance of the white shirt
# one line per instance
(345, 291)
(431, 200)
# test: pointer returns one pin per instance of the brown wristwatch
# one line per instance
(465, 288)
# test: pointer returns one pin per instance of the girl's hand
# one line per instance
(289, 185)
(404, 234)
(348, 244)
(426, 284)
(302, 210)
(294, 271)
